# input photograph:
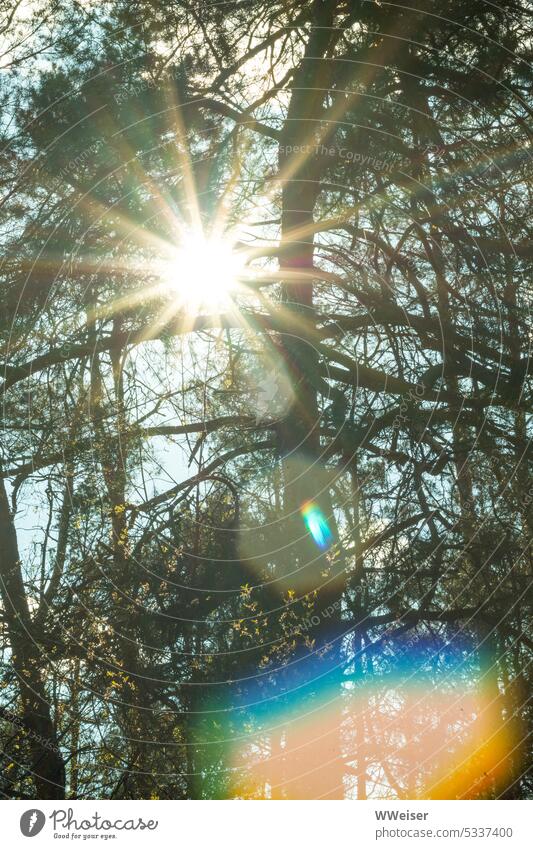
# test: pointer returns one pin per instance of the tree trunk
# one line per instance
(312, 754)
(47, 765)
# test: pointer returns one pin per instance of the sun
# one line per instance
(204, 273)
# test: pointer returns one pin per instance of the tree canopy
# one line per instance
(265, 502)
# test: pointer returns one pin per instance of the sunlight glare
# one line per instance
(204, 273)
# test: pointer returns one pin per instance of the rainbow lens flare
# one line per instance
(424, 723)
(317, 524)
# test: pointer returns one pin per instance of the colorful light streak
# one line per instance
(317, 525)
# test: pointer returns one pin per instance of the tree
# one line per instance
(267, 512)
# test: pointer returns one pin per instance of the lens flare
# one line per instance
(317, 524)
(204, 273)
(420, 722)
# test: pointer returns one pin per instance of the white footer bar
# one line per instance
(268, 825)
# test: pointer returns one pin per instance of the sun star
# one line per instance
(204, 273)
